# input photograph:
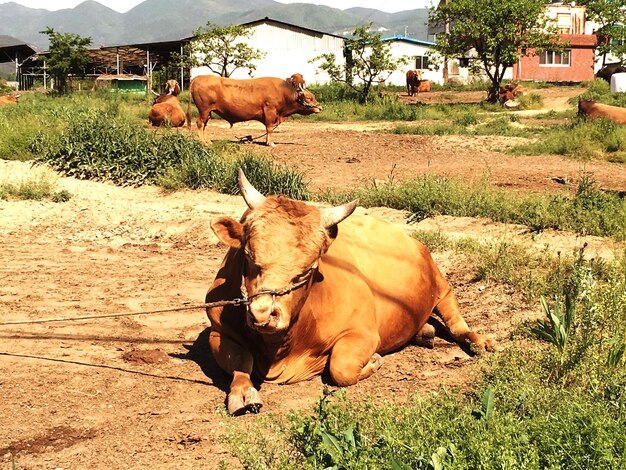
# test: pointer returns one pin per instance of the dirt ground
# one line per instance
(143, 391)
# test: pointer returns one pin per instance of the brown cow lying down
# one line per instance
(423, 86)
(591, 109)
(511, 91)
(268, 100)
(8, 99)
(167, 110)
(326, 291)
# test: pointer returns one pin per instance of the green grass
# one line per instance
(38, 186)
(102, 146)
(588, 211)
(597, 139)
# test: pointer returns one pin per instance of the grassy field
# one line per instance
(555, 399)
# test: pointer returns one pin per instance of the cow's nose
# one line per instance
(263, 312)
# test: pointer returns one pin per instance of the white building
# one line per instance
(420, 55)
(288, 49)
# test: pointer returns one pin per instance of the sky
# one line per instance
(389, 6)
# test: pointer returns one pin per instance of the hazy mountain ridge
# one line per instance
(156, 20)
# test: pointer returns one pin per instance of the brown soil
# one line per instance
(143, 391)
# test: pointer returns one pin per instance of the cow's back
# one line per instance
(393, 280)
(238, 100)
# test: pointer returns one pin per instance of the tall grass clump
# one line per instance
(38, 186)
(589, 211)
(591, 139)
(102, 146)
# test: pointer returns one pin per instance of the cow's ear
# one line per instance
(228, 231)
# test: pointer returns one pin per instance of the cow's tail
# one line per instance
(189, 105)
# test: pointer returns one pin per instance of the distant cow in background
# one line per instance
(608, 70)
(510, 91)
(413, 78)
(591, 109)
(415, 84)
(268, 100)
(8, 99)
(166, 108)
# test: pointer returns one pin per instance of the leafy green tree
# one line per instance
(369, 61)
(611, 16)
(67, 55)
(499, 31)
(220, 48)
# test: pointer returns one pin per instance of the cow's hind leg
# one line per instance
(354, 358)
(448, 310)
(237, 361)
(203, 118)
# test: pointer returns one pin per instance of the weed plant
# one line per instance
(38, 187)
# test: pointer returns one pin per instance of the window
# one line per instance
(564, 23)
(421, 62)
(561, 59)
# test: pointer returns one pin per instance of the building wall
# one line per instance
(400, 49)
(581, 68)
(288, 50)
(573, 28)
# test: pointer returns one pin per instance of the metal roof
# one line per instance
(11, 47)
(399, 37)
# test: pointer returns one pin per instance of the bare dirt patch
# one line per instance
(143, 391)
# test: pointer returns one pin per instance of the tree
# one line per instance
(611, 16)
(220, 48)
(67, 55)
(369, 60)
(497, 32)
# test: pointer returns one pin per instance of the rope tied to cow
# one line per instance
(244, 300)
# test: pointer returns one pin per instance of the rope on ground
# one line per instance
(128, 314)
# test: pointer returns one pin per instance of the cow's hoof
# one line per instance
(250, 402)
(236, 406)
(426, 336)
(253, 400)
(480, 343)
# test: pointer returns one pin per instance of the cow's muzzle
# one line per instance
(264, 314)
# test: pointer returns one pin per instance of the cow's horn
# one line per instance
(252, 197)
(334, 215)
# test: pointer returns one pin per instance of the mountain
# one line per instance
(157, 20)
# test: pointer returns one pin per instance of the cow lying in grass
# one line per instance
(591, 109)
(166, 108)
(8, 99)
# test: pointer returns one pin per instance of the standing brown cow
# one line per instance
(325, 290)
(413, 78)
(268, 100)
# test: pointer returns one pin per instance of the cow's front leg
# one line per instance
(354, 358)
(238, 362)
